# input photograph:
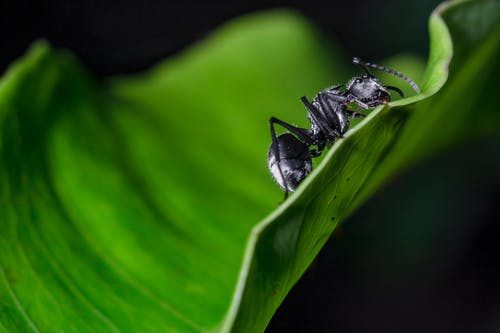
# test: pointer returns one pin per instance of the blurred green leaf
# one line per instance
(132, 204)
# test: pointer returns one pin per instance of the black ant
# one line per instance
(290, 154)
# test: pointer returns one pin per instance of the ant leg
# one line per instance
(301, 133)
(336, 105)
(359, 103)
(355, 114)
(335, 97)
(274, 144)
(319, 119)
(317, 152)
(334, 89)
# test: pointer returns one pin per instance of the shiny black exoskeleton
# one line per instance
(290, 154)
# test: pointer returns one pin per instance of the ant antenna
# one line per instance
(363, 67)
(361, 63)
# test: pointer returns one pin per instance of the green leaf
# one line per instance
(133, 204)
(389, 139)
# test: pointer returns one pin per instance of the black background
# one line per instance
(421, 256)
(125, 36)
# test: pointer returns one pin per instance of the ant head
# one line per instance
(369, 90)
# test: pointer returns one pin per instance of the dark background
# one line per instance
(422, 255)
(113, 37)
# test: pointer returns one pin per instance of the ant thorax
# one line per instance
(315, 129)
(332, 111)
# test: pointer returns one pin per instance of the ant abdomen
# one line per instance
(294, 161)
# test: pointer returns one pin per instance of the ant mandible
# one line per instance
(290, 154)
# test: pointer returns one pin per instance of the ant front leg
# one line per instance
(289, 159)
(355, 114)
(359, 103)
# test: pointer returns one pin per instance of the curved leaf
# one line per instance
(391, 137)
(126, 204)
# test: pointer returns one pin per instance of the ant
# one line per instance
(290, 154)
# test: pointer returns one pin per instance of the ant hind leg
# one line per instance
(300, 140)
